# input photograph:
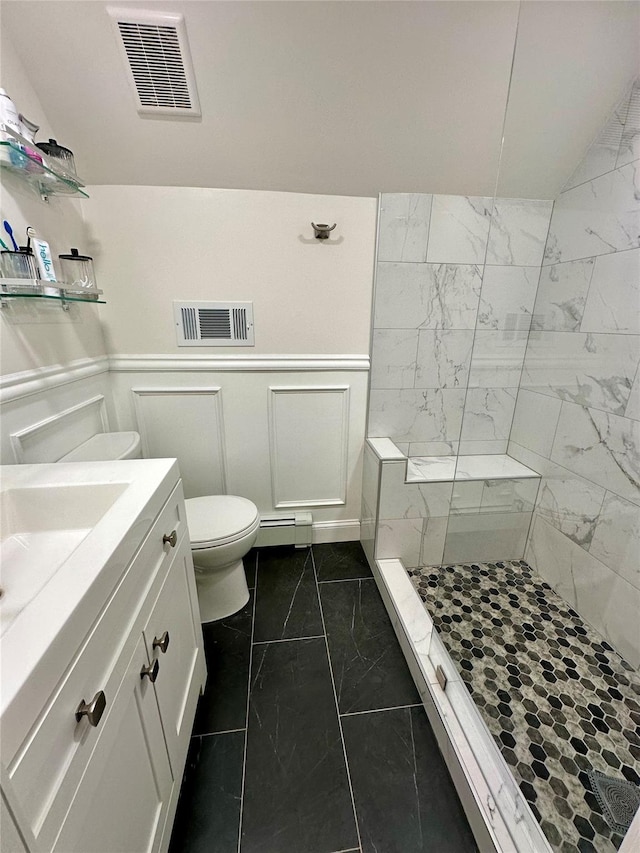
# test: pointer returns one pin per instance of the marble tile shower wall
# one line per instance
(578, 409)
(455, 291)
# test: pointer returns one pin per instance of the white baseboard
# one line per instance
(336, 531)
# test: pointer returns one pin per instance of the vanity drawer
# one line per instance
(47, 768)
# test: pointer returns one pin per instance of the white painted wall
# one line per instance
(156, 244)
(281, 423)
(32, 337)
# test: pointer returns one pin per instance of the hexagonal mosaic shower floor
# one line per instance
(557, 698)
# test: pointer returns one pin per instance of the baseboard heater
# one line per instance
(294, 529)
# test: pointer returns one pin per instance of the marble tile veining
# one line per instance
(602, 597)
(497, 359)
(381, 747)
(393, 358)
(614, 308)
(367, 663)
(288, 605)
(297, 789)
(427, 296)
(535, 420)
(596, 218)
(507, 297)
(416, 415)
(443, 358)
(589, 369)
(404, 227)
(518, 231)
(572, 505)
(459, 229)
(562, 296)
(488, 413)
(599, 446)
(616, 538)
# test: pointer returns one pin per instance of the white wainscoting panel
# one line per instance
(246, 428)
(186, 423)
(309, 436)
(51, 438)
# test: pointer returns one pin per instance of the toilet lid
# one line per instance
(218, 517)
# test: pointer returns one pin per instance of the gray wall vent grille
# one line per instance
(214, 324)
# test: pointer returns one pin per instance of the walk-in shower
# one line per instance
(501, 497)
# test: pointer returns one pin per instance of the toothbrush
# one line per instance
(31, 232)
(9, 231)
(4, 245)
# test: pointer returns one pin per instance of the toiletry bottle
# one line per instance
(44, 259)
(9, 118)
(28, 129)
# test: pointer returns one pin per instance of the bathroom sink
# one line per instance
(40, 527)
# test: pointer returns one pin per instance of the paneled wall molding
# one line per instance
(13, 386)
(249, 364)
(199, 413)
(309, 443)
(55, 434)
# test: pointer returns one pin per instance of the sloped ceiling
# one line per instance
(350, 98)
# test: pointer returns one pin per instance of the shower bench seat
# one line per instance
(445, 469)
(438, 509)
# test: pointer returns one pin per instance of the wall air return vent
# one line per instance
(214, 324)
(158, 61)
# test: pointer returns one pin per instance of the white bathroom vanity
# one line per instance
(102, 657)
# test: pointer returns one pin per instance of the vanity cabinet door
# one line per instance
(122, 801)
(174, 639)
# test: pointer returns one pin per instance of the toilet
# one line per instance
(222, 529)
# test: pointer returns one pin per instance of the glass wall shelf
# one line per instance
(45, 179)
(24, 288)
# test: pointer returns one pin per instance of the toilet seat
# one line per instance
(219, 519)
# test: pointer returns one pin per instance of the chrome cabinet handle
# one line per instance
(170, 539)
(162, 643)
(150, 671)
(94, 710)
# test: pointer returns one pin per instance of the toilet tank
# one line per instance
(105, 446)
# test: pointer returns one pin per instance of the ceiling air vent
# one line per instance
(158, 61)
(214, 324)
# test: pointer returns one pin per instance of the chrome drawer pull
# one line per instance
(94, 710)
(150, 671)
(170, 539)
(162, 643)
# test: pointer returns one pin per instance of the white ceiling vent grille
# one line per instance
(158, 61)
(214, 324)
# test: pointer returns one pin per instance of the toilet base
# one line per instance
(221, 592)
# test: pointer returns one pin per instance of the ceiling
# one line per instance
(349, 98)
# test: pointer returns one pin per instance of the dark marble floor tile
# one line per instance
(368, 665)
(250, 562)
(287, 598)
(227, 648)
(337, 561)
(208, 815)
(405, 799)
(296, 796)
